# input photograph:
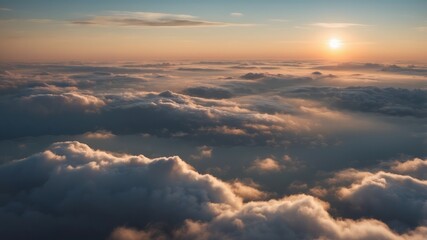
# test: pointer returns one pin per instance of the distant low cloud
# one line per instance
(208, 92)
(337, 25)
(5, 9)
(99, 135)
(388, 101)
(147, 19)
(203, 152)
(61, 103)
(265, 165)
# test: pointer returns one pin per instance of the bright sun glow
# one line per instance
(335, 43)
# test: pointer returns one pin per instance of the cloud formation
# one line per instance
(337, 25)
(388, 101)
(294, 217)
(416, 167)
(376, 192)
(265, 165)
(378, 195)
(99, 135)
(169, 113)
(208, 92)
(147, 19)
(85, 193)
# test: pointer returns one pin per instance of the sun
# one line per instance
(335, 43)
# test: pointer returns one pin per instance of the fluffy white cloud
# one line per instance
(389, 101)
(248, 190)
(59, 103)
(416, 167)
(85, 193)
(378, 194)
(294, 217)
(265, 165)
(82, 192)
(395, 193)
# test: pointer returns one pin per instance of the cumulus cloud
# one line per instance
(416, 167)
(181, 113)
(253, 76)
(59, 103)
(226, 130)
(148, 19)
(294, 217)
(247, 190)
(86, 193)
(268, 80)
(50, 113)
(124, 233)
(269, 105)
(271, 165)
(208, 92)
(203, 152)
(265, 165)
(163, 114)
(90, 194)
(99, 135)
(411, 69)
(233, 116)
(387, 101)
(378, 195)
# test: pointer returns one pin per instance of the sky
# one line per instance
(95, 31)
(212, 120)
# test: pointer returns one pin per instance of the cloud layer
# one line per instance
(85, 193)
(388, 101)
(302, 150)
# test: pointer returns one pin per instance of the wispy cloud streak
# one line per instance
(148, 19)
(337, 25)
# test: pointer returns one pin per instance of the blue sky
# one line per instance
(389, 10)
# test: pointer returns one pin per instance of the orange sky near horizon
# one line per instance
(147, 36)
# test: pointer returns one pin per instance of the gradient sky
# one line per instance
(383, 30)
